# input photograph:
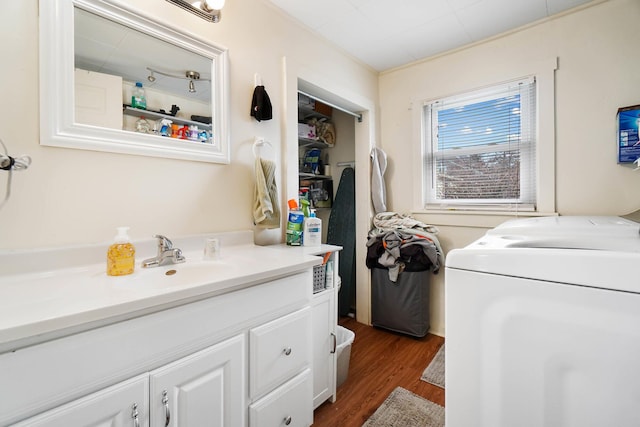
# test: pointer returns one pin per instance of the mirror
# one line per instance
(88, 76)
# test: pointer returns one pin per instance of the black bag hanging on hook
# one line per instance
(261, 104)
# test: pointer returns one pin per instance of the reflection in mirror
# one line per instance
(123, 83)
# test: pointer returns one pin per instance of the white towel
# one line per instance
(266, 212)
(378, 190)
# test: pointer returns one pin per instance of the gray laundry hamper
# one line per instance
(402, 306)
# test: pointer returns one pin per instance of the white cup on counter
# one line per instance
(211, 248)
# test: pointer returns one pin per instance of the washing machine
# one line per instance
(543, 325)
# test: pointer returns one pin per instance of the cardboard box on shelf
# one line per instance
(307, 131)
(323, 109)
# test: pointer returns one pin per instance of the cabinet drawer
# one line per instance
(288, 406)
(279, 350)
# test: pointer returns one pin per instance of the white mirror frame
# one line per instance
(57, 124)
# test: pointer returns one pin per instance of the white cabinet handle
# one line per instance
(134, 415)
(167, 412)
(335, 343)
(287, 351)
(287, 420)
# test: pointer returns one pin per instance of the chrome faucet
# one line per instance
(167, 254)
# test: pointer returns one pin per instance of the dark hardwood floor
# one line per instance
(380, 361)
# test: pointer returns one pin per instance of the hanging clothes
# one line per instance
(378, 190)
(341, 231)
(261, 104)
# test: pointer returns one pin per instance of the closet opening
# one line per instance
(326, 179)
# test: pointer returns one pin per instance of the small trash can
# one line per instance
(344, 338)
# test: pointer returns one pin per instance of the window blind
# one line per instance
(480, 148)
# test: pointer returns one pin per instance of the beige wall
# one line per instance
(598, 72)
(73, 196)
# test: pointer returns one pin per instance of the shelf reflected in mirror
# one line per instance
(88, 77)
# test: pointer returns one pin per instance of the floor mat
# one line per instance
(434, 373)
(405, 409)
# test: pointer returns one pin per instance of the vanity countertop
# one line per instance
(39, 302)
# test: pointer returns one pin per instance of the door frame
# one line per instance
(315, 82)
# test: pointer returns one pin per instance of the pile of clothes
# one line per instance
(401, 243)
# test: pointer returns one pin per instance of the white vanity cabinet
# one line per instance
(205, 388)
(236, 359)
(324, 346)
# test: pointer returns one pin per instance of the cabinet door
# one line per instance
(324, 322)
(111, 407)
(204, 389)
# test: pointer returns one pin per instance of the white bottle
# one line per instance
(328, 275)
(312, 234)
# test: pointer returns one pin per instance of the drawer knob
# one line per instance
(287, 420)
(287, 351)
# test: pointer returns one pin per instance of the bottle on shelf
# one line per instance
(165, 127)
(139, 97)
(142, 125)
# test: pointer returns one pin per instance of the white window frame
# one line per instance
(433, 153)
(544, 72)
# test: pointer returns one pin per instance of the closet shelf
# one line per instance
(313, 176)
(312, 143)
(306, 113)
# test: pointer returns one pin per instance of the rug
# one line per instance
(405, 409)
(434, 373)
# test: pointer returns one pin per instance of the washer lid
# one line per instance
(568, 226)
(592, 251)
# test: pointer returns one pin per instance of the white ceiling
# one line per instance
(390, 33)
(108, 47)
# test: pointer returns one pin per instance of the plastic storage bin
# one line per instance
(318, 278)
(344, 338)
(402, 306)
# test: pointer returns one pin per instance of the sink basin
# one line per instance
(192, 272)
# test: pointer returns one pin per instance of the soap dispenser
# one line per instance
(121, 254)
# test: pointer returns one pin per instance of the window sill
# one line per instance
(471, 218)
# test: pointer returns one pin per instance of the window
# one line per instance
(480, 149)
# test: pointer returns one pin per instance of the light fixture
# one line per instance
(208, 10)
(192, 75)
(188, 75)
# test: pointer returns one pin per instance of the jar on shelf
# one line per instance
(142, 125)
